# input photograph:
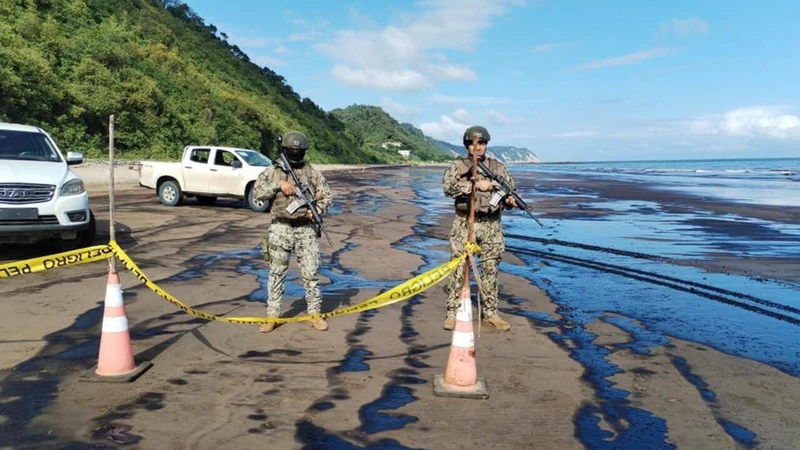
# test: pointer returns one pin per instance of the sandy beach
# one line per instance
(556, 380)
(95, 173)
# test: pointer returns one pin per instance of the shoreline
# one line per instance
(94, 173)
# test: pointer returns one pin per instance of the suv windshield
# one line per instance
(255, 158)
(26, 145)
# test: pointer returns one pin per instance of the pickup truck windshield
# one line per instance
(254, 158)
(24, 145)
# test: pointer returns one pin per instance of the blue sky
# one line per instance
(570, 80)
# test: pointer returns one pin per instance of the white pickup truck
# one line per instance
(206, 172)
(40, 198)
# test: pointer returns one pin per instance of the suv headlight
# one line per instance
(73, 187)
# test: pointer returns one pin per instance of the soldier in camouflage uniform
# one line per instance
(292, 232)
(488, 233)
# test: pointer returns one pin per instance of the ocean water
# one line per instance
(756, 181)
(644, 260)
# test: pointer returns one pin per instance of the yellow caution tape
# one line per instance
(71, 258)
(399, 293)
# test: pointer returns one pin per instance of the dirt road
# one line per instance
(365, 383)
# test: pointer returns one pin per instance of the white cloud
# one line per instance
(497, 117)
(438, 98)
(416, 43)
(398, 80)
(446, 129)
(281, 50)
(461, 114)
(756, 121)
(686, 28)
(626, 60)
(395, 109)
(452, 72)
(268, 61)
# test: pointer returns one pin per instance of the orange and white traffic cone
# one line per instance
(461, 374)
(115, 361)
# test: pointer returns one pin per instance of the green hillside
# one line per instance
(169, 78)
(373, 128)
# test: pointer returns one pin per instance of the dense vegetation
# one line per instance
(169, 78)
(372, 128)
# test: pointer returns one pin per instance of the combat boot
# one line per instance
(318, 324)
(449, 322)
(497, 322)
(267, 327)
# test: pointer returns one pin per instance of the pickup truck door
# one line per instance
(226, 179)
(196, 170)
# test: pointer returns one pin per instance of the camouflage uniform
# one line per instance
(488, 233)
(288, 232)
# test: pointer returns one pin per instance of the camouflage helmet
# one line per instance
(294, 144)
(294, 140)
(475, 132)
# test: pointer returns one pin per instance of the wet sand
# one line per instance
(366, 383)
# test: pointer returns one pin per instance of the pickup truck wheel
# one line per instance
(254, 204)
(170, 194)
(206, 201)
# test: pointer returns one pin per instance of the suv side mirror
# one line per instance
(236, 164)
(74, 158)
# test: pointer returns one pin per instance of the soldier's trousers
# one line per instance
(283, 239)
(488, 234)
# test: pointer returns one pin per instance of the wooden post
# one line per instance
(112, 262)
(471, 225)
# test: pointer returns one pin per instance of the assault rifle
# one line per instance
(305, 197)
(504, 191)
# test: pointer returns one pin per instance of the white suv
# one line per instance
(40, 197)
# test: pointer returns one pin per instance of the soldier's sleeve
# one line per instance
(323, 191)
(265, 188)
(454, 185)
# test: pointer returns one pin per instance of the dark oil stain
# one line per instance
(739, 433)
(116, 433)
(644, 430)
(257, 417)
(642, 339)
(393, 397)
(177, 381)
(684, 369)
(196, 372)
(270, 353)
(313, 437)
(322, 406)
(271, 392)
(354, 361)
(269, 379)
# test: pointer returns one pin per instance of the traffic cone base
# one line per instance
(115, 362)
(460, 378)
(478, 391)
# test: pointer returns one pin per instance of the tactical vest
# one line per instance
(281, 201)
(482, 198)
